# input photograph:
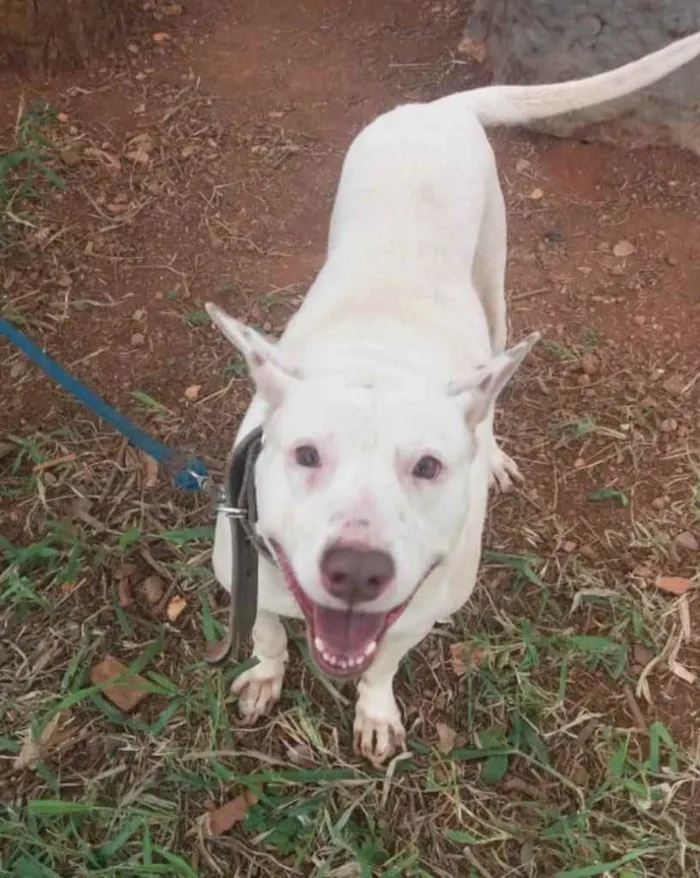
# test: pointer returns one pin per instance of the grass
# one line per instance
(24, 165)
(538, 781)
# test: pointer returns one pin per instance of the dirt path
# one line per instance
(202, 165)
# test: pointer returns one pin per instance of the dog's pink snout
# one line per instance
(356, 574)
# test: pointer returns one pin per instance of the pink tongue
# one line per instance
(346, 632)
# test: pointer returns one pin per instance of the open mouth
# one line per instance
(343, 642)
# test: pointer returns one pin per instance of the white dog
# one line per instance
(377, 403)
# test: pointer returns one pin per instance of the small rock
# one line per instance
(139, 314)
(192, 392)
(70, 156)
(670, 425)
(583, 380)
(639, 319)
(554, 236)
(623, 248)
(522, 165)
(590, 363)
(154, 589)
(671, 260)
(138, 339)
(642, 654)
(675, 385)
(477, 50)
(536, 194)
(687, 541)
(18, 369)
(569, 546)
(658, 503)
(579, 462)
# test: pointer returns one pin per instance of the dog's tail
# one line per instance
(519, 104)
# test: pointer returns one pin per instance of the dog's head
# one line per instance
(361, 491)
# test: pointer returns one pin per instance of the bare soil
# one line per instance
(201, 165)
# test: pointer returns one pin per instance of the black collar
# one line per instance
(241, 509)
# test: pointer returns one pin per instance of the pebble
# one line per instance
(590, 363)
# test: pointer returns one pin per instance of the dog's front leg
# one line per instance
(378, 729)
(260, 687)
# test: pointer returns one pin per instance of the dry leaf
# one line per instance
(154, 588)
(192, 392)
(125, 570)
(175, 607)
(124, 694)
(463, 656)
(138, 157)
(105, 157)
(624, 248)
(673, 584)
(536, 194)
(172, 9)
(446, 738)
(34, 751)
(687, 541)
(217, 822)
(126, 597)
(160, 37)
(150, 471)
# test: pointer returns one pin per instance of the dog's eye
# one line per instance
(428, 467)
(307, 456)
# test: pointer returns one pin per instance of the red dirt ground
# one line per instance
(249, 108)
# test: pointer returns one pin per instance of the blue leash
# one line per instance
(188, 474)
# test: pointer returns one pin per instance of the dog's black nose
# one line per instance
(355, 574)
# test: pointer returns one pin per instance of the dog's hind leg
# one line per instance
(260, 687)
(488, 277)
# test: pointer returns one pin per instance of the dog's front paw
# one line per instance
(378, 730)
(503, 470)
(259, 688)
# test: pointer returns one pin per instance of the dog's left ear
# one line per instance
(491, 379)
(271, 375)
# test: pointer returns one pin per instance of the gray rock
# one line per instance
(537, 41)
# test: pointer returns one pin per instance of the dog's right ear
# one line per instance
(271, 375)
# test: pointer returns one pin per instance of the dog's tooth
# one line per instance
(369, 649)
(319, 644)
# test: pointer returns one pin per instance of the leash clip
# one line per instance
(232, 512)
